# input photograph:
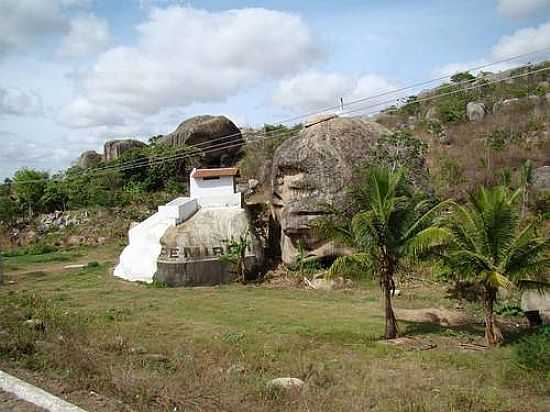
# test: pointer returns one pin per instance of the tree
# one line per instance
(490, 246)
(462, 77)
(29, 186)
(392, 223)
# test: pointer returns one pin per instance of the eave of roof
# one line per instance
(220, 172)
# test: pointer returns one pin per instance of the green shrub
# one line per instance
(34, 249)
(533, 352)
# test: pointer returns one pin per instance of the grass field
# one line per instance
(216, 348)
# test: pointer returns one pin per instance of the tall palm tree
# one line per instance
(391, 223)
(490, 246)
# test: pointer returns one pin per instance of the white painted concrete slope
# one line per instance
(27, 392)
(138, 261)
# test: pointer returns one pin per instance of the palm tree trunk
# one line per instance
(391, 330)
(388, 286)
(493, 334)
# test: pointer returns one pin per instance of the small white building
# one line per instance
(215, 188)
(209, 189)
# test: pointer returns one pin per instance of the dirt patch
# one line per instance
(442, 317)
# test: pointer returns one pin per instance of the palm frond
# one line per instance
(427, 240)
(356, 265)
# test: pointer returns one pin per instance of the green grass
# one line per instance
(328, 339)
(57, 256)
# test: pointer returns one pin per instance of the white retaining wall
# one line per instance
(138, 261)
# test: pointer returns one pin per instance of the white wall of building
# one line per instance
(215, 193)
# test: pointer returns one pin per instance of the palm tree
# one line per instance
(490, 246)
(391, 223)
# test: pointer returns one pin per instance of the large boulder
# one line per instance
(114, 148)
(534, 300)
(541, 177)
(313, 169)
(217, 136)
(191, 252)
(89, 159)
(475, 111)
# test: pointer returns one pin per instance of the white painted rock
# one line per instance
(534, 300)
(475, 111)
(286, 384)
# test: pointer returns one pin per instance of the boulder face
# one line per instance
(207, 131)
(311, 170)
(475, 111)
(89, 159)
(114, 148)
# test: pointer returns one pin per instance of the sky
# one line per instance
(76, 73)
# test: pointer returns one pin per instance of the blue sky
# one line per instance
(76, 73)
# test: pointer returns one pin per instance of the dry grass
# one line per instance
(215, 348)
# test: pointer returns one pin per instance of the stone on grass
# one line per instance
(285, 384)
(35, 324)
(475, 111)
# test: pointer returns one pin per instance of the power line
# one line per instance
(289, 133)
(239, 134)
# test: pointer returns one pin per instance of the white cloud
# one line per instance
(25, 22)
(518, 9)
(313, 90)
(523, 41)
(185, 55)
(87, 35)
(15, 102)
(520, 42)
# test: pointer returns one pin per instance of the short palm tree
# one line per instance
(391, 223)
(491, 247)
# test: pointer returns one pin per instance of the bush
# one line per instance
(533, 352)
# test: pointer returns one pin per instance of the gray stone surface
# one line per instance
(535, 300)
(285, 384)
(475, 111)
(312, 170)
(209, 131)
(432, 114)
(191, 251)
(89, 159)
(114, 148)
(542, 178)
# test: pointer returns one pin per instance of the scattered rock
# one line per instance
(236, 370)
(541, 178)
(114, 148)
(475, 111)
(74, 266)
(285, 384)
(441, 317)
(89, 159)
(432, 115)
(74, 240)
(320, 283)
(35, 324)
(203, 130)
(533, 300)
(155, 357)
(253, 184)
